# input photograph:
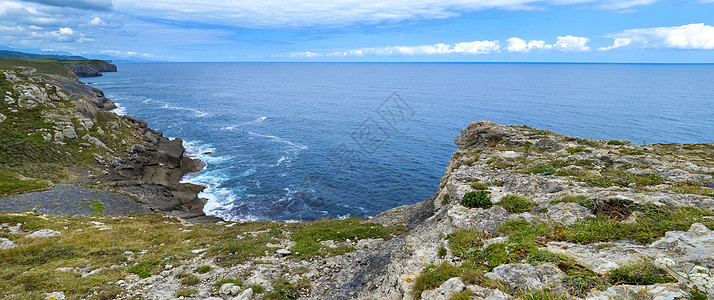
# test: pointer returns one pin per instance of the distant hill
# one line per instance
(16, 54)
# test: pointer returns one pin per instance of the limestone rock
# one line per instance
(654, 292)
(94, 141)
(54, 296)
(283, 252)
(602, 257)
(247, 294)
(564, 213)
(695, 245)
(488, 294)
(445, 291)
(486, 220)
(11, 76)
(69, 133)
(6, 244)
(43, 233)
(525, 277)
(226, 288)
(2, 118)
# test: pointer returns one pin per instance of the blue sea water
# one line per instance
(304, 141)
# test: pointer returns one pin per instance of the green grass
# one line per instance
(221, 282)
(42, 66)
(615, 177)
(12, 183)
(188, 279)
(516, 204)
(463, 295)
(477, 199)
(465, 241)
(144, 269)
(285, 290)
(586, 142)
(257, 289)
(95, 205)
(203, 269)
(307, 239)
(651, 223)
(639, 273)
(693, 189)
(30, 268)
(573, 150)
(628, 151)
(556, 167)
(543, 294)
(186, 292)
(579, 199)
(479, 186)
(432, 277)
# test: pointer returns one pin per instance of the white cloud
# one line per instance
(691, 36)
(515, 44)
(572, 43)
(307, 13)
(619, 42)
(305, 54)
(518, 45)
(624, 5)
(472, 48)
(477, 47)
(66, 31)
(96, 21)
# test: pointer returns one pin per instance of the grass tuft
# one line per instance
(516, 204)
(432, 277)
(639, 273)
(477, 199)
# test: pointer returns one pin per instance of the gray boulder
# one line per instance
(524, 277)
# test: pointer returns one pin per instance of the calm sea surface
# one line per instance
(303, 141)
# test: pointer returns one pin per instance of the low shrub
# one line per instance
(477, 199)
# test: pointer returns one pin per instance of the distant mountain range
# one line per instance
(16, 54)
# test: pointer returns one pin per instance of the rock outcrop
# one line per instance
(92, 68)
(567, 182)
(128, 156)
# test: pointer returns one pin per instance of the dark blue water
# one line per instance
(303, 141)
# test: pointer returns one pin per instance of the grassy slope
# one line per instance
(30, 269)
(24, 152)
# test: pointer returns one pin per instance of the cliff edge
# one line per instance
(58, 130)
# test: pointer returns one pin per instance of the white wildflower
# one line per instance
(664, 263)
(702, 278)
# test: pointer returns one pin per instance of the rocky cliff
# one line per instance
(520, 213)
(57, 129)
(89, 68)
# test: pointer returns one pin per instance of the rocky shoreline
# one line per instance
(128, 156)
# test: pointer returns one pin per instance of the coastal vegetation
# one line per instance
(90, 254)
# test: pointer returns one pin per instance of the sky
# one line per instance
(629, 31)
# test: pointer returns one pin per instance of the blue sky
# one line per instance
(656, 31)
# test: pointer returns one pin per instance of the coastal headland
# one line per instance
(520, 213)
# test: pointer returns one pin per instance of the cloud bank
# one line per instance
(695, 36)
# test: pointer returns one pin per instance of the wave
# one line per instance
(220, 200)
(120, 110)
(280, 140)
(256, 121)
(197, 113)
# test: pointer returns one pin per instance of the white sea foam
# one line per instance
(256, 121)
(120, 110)
(197, 113)
(280, 140)
(219, 199)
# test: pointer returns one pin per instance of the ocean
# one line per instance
(305, 141)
